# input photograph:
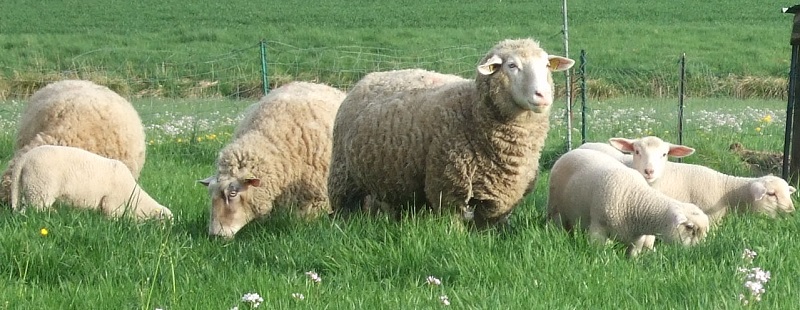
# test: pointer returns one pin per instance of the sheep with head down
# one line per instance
(278, 158)
(469, 145)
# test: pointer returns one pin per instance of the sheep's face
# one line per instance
(771, 195)
(521, 70)
(650, 154)
(690, 225)
(230, 207)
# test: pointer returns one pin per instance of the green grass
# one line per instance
(176, 48)
(87, 261)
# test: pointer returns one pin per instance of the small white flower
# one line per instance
(235, 308)
(431, 280)
(298, 296)
(314, 277)
(445, 300)
(253, 298)
(749, 254)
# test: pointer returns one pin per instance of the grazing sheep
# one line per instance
(84, 115)
(610, 200)
(472, 145)
(761, 162)
(715, 192)
(280, 157)
(650, 154)
(49, 173)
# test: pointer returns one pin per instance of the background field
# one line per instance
(179, 48)
(164, 54)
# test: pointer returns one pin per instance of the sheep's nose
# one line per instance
(648, 171)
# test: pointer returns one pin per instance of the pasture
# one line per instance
(86, 261)
(158, 53)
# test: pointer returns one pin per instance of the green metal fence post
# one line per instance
(264, 80)
(582, 72)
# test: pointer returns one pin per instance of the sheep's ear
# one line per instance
(622, 144)
(792, 189)
(558, 63)
(490, 65)
(681, 219)
(252, 181)
(758, 190)
(679, 150)
(206, 181)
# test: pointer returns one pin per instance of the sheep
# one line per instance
(80, 114)
(650, 154)
(469, 145)
(716, 192)
(610, 200)
(279, 156)
(50, 173)
(712, 191)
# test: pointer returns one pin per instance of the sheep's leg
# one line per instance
(642, 243)
(597, 234)
(345, 197)
(487, 214)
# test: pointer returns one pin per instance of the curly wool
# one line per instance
(458, 145)
(285, 141)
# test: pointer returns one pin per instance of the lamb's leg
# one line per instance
(641, 243)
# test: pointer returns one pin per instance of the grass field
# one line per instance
(177, 49)
(86, 261)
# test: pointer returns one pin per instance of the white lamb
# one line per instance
(610, 200)
(716, 192)
(650, 154)
(712, 191)
(466, 145)
(49, 173)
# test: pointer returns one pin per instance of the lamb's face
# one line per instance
(230, 206)
(522, 70)
(771, 195)
(690, 225)
(650, 154)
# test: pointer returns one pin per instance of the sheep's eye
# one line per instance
(512, 65)
(665, 155)
(772, 193)
(637, 152)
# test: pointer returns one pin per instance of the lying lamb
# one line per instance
(48, 173)
(650, 154)
(610, 200)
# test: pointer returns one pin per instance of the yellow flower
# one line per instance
(43, 232)
(758, 129)
(179, 140)
(767, 118)
(211, 136)
(199, 139)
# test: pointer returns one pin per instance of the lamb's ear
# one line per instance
(490, 65)
(758, 190)
(206, 181)
(792, 189)
(680, 219)
(622, 144)
(558, 63)
(676, 150)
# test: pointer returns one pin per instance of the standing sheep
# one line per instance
(280, 157)
(610, 200)
(471, 145)
(84, 115)
(49, 173)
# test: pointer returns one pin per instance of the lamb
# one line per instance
(49, 173)
(712, 191)
(279, 157)
(472, 146)
(650, 154)
(716, 192)
(80, 114)
(616, 202)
